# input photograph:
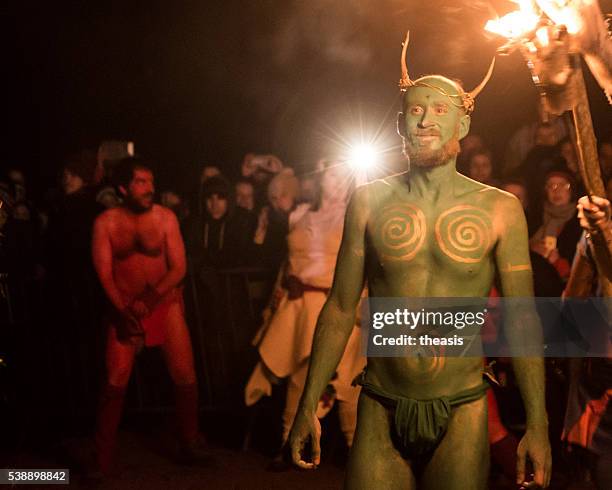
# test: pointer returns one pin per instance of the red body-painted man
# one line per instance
(139, 257)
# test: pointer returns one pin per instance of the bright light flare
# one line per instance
(363, 156)
(515, 24)
(542, 35)
(520, 22)
(564, 13)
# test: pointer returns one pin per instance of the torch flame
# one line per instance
(520, 22)
(543, 37)
(516, 24)
(562, 12)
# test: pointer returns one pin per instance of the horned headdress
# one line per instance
(466, 98)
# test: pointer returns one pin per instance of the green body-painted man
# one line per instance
(429, 232)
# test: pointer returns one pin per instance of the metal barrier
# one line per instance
(54, 341)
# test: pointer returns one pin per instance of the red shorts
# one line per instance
(155, 325)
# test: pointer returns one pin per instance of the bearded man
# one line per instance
(139, 257)
(401, 397)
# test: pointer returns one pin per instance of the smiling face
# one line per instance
(431, 123)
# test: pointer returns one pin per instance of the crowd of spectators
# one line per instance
(541, 169)
(237, 225)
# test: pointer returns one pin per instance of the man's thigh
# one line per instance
(374, 463)
(119, 359)
(177, 347)
(461, 461)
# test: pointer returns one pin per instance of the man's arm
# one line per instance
(175, 251)
(102, 255)
(523, 329)
(334, 326)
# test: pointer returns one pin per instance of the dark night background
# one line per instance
(196, 82)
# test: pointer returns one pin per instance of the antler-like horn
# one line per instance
(474, 93)
(405, 81)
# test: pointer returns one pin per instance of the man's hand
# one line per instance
(129, 329)
(144, 304)
(139, 309)
(535, 446)
(540, 248)
(553, 256)
(595, 215)
(305, 426)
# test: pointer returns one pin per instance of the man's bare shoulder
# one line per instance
(465, 185)
(157, 213)
(162, 211)
(164, 216)
(504, 202)
(492, 195)
(107, 217)
(376, 189)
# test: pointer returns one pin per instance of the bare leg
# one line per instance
(179, 359)
(119, 362)
(374, 463)
(177, 348)
(461, 461)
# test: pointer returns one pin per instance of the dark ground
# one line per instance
(145, 458)
(142, 465)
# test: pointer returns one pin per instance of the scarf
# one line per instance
(554, 219)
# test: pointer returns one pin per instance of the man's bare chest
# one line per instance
(458, 236)
(137, 236)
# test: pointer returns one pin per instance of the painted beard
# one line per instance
(424, 156)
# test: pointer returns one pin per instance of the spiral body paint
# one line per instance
(401, 229)
(429, 365)
(464, 233)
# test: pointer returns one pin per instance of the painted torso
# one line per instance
(436, 245)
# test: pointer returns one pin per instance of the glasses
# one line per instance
(554, 187)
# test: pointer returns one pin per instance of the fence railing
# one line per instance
(52, 340)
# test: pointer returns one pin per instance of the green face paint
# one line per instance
(432, 118)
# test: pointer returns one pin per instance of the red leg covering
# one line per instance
(186, 397)
(497, 431)
(503, 453)
(109, 415)
(503, 444)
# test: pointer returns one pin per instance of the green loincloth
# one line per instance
(419, 425)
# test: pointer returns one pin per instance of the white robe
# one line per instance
(286, 341)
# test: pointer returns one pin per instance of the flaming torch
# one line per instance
(555, 66)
